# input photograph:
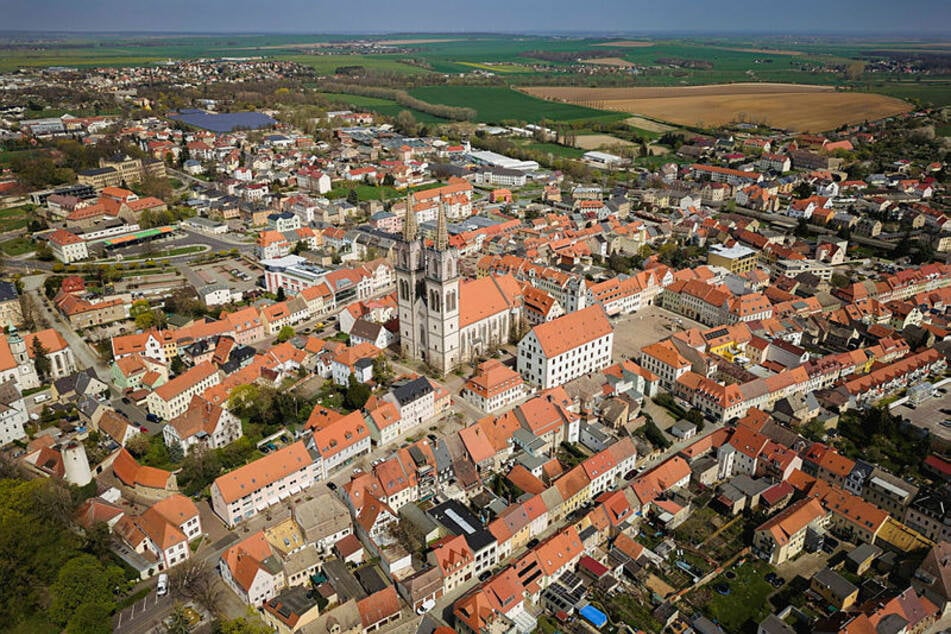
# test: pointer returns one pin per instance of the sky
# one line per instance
(925, 17)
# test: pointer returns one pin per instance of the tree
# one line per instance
(199, 468)
(196, 579)
(177, 621)
(177, 366)
(353, 197)
(90, 618)
(299, 248)
(382, 372)
(285, 333)
(357, 393)
(41, 360)
(406, 122)
(248, 624)
(138, 445)
(802, 228)
(802, 190)
(97, 541)
(281, 294)
(83, 581)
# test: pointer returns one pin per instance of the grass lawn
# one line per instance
(746, 600)
(17, 246)
(375, 192)
(495, 104)
(557, 150)
(14, 218)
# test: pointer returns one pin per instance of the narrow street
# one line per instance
(86, 357)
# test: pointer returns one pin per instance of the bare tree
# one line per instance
(196, 579)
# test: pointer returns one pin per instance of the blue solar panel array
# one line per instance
(225, 122)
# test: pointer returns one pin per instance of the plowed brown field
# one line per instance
(790, 106)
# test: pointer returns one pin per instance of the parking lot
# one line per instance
(931, 414)
(646, 326)
(233, 272)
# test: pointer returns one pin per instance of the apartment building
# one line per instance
(565, 348)
(248, 490)
(172, 398)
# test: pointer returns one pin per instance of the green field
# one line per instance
(17, 246)
(495, 104)
(557, 150)
(382, 106)
(326, 64)
(14, 218)
(927, 93)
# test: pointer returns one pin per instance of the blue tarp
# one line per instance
(593, 615)
(225, 122)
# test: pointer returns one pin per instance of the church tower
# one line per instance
(409, 280)
(442, 300)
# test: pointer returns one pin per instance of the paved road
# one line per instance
(146, 614)
(85, 356)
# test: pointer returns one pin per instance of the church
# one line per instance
(445, 321)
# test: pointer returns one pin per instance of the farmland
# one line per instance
(495, 104)
(385, 107)
(795, 107)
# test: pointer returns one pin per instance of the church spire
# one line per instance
(442, 232)
(410, 228)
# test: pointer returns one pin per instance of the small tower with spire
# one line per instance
(409, 278)
(442, 299)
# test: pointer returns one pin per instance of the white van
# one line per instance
(162, 587)
(39, 398)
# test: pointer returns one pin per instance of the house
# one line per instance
(10, 311)
(784, 536)
(291, 610)
(834, 589)
(356, 360)
(378, 609)
(162, 533)
(202, 423)
(252, 569)
(494, 386)
(323, 520)
(555, 352)
(248, 490)
(172, 399)
(13, 413)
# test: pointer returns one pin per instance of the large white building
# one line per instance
(248, 490)
(555, 352)
(67, 247)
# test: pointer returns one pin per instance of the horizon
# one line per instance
(918, 18)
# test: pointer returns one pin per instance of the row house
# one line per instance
(171, 399)
(243, 493)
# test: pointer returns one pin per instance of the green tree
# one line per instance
(90, 618)
(177, 621)
(280, 295)
(199, 468)
(382, 372)
(41, 360)
(353, 197)
(83, 581)
(248, 624)
(802, 228)
(177, 366)
(43, 251)
(357, 393)
(284, 334)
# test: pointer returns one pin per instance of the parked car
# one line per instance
(152, 418)
(144, 429)
(162, 587)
